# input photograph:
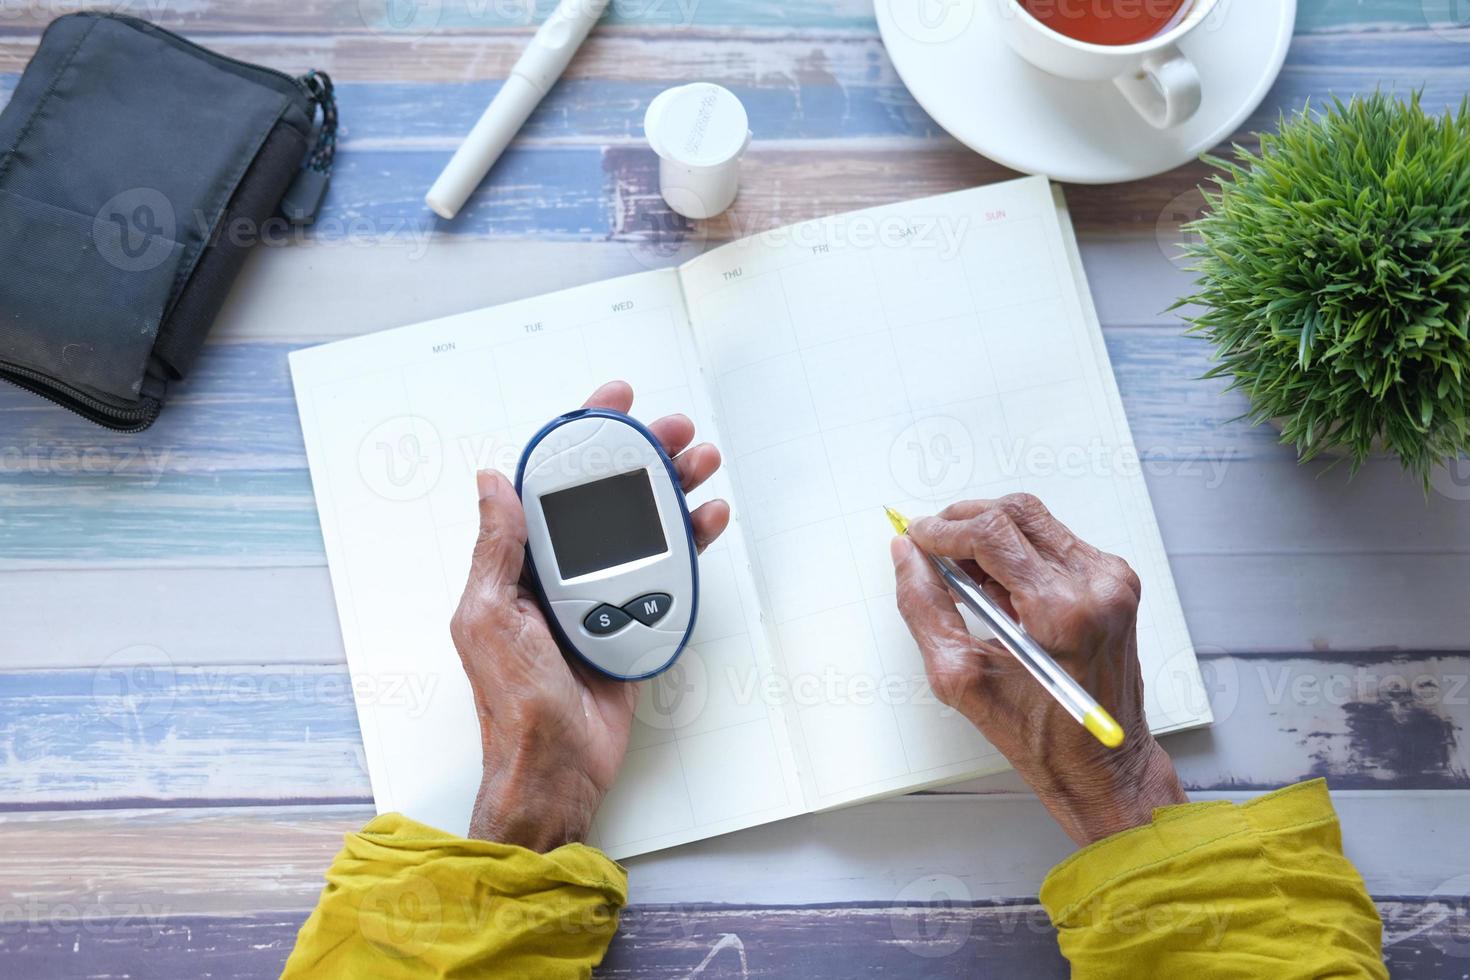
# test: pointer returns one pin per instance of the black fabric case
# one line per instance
(136, 169)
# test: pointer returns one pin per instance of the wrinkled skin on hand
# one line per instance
(1081, 604)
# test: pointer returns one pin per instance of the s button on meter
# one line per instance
(605, 620)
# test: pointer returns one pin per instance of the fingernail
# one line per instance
(898, 548)
(488, 483)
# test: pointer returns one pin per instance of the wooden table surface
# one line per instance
(174, 821)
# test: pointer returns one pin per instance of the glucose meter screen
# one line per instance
(603, 524)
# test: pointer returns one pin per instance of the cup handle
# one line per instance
(1165, 89)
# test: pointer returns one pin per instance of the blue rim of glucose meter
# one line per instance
(560, 635)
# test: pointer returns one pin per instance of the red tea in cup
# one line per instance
(1109, 21)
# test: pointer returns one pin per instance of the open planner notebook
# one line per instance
(913, 355)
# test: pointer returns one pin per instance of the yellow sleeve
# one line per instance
(406, 900)
(1219, 890)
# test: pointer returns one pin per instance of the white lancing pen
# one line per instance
(532, 76)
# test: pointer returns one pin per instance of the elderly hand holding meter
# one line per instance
(553, 729)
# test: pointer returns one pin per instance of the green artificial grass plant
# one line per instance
(1334, 271)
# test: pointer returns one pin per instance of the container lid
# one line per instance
(698, 125)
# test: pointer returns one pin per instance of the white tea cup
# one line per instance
(1156, 78)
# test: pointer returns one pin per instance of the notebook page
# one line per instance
(914, 355)
(396, 424)
(1174, 692)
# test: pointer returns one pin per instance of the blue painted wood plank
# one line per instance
(1343, 15)
(237, 411)
(1424, 940)
(140, 727)
(566, 191)
(240, 517)
(222, 476)
(143, 729)
(788, 104)
(563, 191)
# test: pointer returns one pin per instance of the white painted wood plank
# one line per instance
(404, 275)
(80, 617)
(1135, 277)
(1271, 555)
(1248, 578)
(1266, 602)
(1277, 506)
(879, 851)
(328, 290)
(229, 860)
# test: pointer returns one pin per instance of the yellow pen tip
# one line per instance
(1101, 724)
(899, 522)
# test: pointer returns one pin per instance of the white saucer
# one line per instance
(954, 61)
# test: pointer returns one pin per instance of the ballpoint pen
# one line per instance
(1057, 682)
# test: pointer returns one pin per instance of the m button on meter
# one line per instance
(605, 619)
(649, 609)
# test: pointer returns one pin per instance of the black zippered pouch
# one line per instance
(136, 170)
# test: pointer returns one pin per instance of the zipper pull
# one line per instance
(304, 197)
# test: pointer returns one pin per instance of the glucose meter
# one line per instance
(609, 545)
